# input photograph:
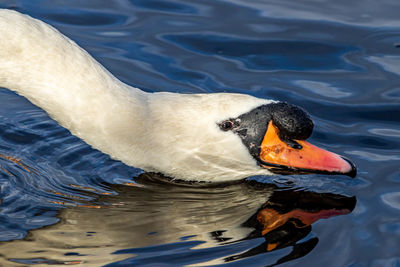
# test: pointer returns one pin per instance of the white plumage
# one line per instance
(175, 134)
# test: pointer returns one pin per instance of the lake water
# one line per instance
(62, 202)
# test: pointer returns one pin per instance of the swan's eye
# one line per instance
(226, 125)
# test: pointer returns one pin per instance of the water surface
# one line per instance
(62, 202)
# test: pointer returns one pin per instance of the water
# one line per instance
(65, 203)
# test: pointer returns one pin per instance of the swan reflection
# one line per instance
(131, 226)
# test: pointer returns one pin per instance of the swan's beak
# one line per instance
(279, 157)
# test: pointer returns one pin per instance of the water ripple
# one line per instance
(170, 6)
(323, 89)
(267, 54)
(337, 59)
(392, 199)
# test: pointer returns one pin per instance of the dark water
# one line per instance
(65, 203)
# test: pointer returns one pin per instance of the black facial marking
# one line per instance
(292, 122)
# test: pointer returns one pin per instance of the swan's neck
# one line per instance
(142, 130)
(49, 69)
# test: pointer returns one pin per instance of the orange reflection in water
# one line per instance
(272, 219)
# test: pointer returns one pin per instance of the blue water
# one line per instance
(62, 202)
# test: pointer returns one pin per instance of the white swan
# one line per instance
(203, 137)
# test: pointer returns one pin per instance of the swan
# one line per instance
(197, 137)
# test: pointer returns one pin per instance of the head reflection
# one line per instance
(286, 218)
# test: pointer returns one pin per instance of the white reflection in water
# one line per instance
(392, 199)
(385, 132)
(321, 88)
(389, 63)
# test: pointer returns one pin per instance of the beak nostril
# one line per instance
(293, 144)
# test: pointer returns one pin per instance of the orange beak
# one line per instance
(278, 156)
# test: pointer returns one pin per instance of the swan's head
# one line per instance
(275, 135)
(221, 137)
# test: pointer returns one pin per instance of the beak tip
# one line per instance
(353, 169)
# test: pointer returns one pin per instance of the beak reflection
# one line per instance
(286, 219)
(302, 157)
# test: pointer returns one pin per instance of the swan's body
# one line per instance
(176, 134)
